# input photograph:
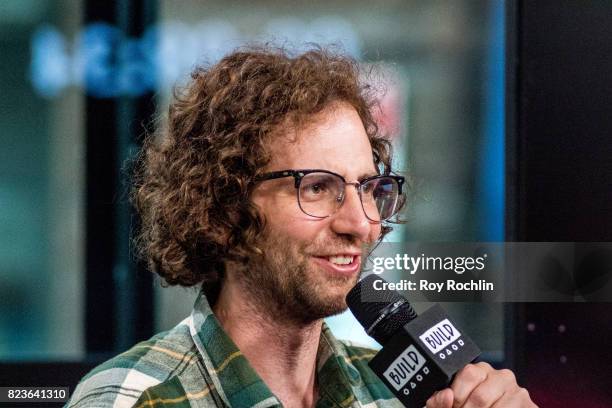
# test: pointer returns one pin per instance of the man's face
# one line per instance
(302, 274)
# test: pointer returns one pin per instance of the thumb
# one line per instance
(441, 399)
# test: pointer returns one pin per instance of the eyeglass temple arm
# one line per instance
(281, 174)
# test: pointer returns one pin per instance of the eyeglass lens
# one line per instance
(321, 194)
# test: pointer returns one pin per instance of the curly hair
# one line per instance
(195, 174)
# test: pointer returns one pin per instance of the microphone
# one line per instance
(420, 354)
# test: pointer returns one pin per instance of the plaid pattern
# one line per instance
(196, 364)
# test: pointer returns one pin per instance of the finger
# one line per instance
(519, 398)
(467, 379)
(432, 402)
(441, 399)
(492, 389)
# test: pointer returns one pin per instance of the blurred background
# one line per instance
(82, 81)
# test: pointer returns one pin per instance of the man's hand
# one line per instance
(480, 385)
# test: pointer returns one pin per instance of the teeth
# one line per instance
(341, 260)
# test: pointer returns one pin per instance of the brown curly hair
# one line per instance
(195, 175)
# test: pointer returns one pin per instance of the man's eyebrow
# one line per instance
(367, 174)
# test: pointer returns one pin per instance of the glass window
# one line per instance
(41, 184)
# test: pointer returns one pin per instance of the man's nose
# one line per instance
(350, 218)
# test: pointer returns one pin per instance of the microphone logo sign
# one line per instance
(404, 367)
(440, 336)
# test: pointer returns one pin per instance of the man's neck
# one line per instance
(282, 352)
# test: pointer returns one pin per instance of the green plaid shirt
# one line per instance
(196, 364)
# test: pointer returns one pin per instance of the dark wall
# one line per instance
(559, 158)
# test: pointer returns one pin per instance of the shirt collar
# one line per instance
(237, 382)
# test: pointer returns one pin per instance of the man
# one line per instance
(267, 187)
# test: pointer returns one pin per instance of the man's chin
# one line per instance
(325, 302)
(324, 309)
(337, 309)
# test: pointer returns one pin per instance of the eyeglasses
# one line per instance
(321, 193)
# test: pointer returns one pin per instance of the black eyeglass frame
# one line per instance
(298, 175)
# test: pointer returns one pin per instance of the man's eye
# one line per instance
(317, 188)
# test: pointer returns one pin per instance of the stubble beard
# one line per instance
(285, 285)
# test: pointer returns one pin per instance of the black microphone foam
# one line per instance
(380, 312)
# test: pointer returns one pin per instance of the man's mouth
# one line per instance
(340, 264)
(341, 260)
